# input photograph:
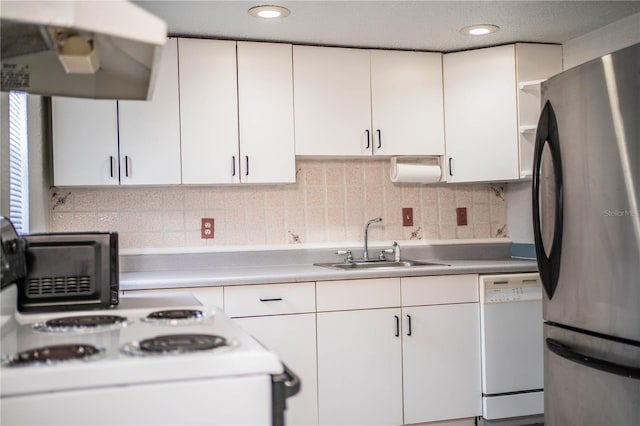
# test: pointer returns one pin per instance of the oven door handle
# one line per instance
(284, 385)
(291, 383)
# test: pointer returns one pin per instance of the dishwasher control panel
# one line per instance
(510, 288)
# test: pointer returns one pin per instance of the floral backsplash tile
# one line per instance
(331, 202)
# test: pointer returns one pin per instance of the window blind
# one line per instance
(18, 162)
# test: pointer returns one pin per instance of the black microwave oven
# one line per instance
(69, 271)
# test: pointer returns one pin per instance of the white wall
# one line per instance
(615, 36)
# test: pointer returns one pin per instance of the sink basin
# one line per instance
(377, 264)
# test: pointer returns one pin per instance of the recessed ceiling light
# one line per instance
(269, 12)
(480, 29)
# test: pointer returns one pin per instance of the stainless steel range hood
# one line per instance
(86, 49)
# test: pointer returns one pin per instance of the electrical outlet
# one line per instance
(461, 216)
(206, 230)
(407, 216)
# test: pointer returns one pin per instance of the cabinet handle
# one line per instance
(409, 317)
(246, 157)
(368, 139)
(379, 138)
(126, 165)
(273, 299)
(111, 165)
(450, 166)
(397, 325)
(233, 165)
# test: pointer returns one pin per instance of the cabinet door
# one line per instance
(480, 115)
(150, 130)
(85, 141)
(293, 338)
(359, 368)
(265, 101)
(407, 105)
(332, 101)
(441, 360)
(209, 111)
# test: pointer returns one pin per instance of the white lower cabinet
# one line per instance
(441, 348)
(415, 360)
(360, 367)
(441, 362)
(282, 317)
(293, 338)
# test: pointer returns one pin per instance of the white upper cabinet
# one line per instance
(480, 113)
(332, 101)
(236, 109)
(407, 105)
(354, 102)
(265, 105)
(85, 141)
(150, 130)
(208, 111)
(482, 103)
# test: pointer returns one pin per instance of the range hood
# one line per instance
(85, 49)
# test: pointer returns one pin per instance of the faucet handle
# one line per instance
(348, 253)
(396, 251)
(383, 252)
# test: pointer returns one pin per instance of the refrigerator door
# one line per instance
(589, 381)
(596, 107)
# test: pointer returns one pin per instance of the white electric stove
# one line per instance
(162, 359)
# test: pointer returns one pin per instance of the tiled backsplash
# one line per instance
(331, 202)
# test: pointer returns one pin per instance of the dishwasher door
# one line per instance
(512, 346)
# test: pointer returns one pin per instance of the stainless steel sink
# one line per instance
(377, 264)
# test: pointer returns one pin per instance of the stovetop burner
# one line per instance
(81, 323)
(175, 316)
(53, 354)
(171, 344)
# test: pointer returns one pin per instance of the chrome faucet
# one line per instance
(365, 255)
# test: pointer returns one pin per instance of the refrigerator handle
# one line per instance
(547, 135)
(591, 362)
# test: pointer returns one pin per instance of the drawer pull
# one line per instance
(274, 299)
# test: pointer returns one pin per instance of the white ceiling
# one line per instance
(397, 24)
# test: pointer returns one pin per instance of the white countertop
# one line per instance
(264, 274)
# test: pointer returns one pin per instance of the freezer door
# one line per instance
(591, 239)
(589, 381)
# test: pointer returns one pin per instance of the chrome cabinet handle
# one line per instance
(379, 138)
(246, 157)
(450, 166)
(271, 299)
(368, 139)
(397, 325)
(126, 165)
(233, 165)
(111, 165)
(409, 332)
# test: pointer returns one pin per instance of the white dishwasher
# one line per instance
(512, 350)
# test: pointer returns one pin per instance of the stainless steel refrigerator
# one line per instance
(586, 199)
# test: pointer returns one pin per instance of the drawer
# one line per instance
(439, 290)
(269, 299)
(358, 294)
